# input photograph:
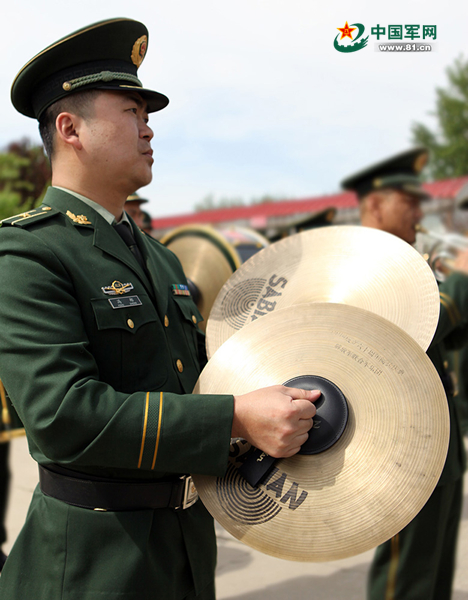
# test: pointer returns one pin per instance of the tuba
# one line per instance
(441, 249)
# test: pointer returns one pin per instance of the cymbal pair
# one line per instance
(377, 474)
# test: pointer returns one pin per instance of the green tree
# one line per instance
(24, 176)
(448, 143)
(210, 203)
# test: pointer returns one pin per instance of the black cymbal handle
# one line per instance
(256, 467)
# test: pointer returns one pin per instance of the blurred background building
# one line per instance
(281, 218)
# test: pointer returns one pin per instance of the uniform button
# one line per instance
(180, 366)
(130, 323)
(166, 321)
(194, 319)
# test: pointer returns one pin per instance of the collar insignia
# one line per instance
(179, 289)
(117, 288)
(80, 219)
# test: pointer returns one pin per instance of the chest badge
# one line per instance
(179, 289)
(117, 288)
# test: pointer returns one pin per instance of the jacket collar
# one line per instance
(105, 237)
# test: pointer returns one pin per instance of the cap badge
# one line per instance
(80, 219)
(139, 50)
(117, 288)
(420, 162)
(377, 183)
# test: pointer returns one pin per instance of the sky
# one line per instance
(261, 102)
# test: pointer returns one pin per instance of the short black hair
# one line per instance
(80, 103)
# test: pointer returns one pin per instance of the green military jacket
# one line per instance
(452, 332)
(100, 359)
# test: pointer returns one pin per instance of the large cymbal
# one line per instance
(375, 479)
(353, 265)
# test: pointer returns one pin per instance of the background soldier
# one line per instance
(133, 208)
(419, 562)
(4, 492)
(147, 226)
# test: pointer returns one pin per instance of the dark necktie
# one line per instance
(123, 229)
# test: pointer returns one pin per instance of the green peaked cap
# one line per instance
(135, 198)
(105, 55)
(399, 172)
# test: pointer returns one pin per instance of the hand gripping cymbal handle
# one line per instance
(329, 424)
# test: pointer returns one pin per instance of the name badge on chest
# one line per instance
(125, 302)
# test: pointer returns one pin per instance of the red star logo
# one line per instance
(346, 31)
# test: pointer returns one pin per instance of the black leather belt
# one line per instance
(113, 495)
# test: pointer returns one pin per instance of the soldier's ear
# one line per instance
(68, 129)
(374, 202)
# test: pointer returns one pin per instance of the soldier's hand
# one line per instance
(276, 419)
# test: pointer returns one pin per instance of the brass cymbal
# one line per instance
(346, 264)
(379, 474)
(207, 259)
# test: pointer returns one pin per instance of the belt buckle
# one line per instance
(190, 494)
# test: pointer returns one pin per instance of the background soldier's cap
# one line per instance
(400, 172)
(135, 198)
(105, 55)
(146, 218)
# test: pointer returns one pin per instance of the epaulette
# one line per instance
(30, 217)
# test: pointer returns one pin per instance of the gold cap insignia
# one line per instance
(139, 50)
(420, 162)
(81, 219)
(117, 288)
(377, 183)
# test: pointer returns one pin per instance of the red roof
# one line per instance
(446, 188)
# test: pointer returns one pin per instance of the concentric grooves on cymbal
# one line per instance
(240, 300)
(242, 502)
(377, 476)
(358, 266)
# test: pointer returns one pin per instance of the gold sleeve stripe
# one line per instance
(145, 425)
(450, 306)
(159, 429)
(393, 567)
(447, 308)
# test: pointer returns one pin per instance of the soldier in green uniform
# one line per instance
(100, 350)
(4, 493)
(147, 226)
(134, 210)
(419, 562)
(459, 357)
(458, 361)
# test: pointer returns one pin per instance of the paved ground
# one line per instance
(243, 573)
